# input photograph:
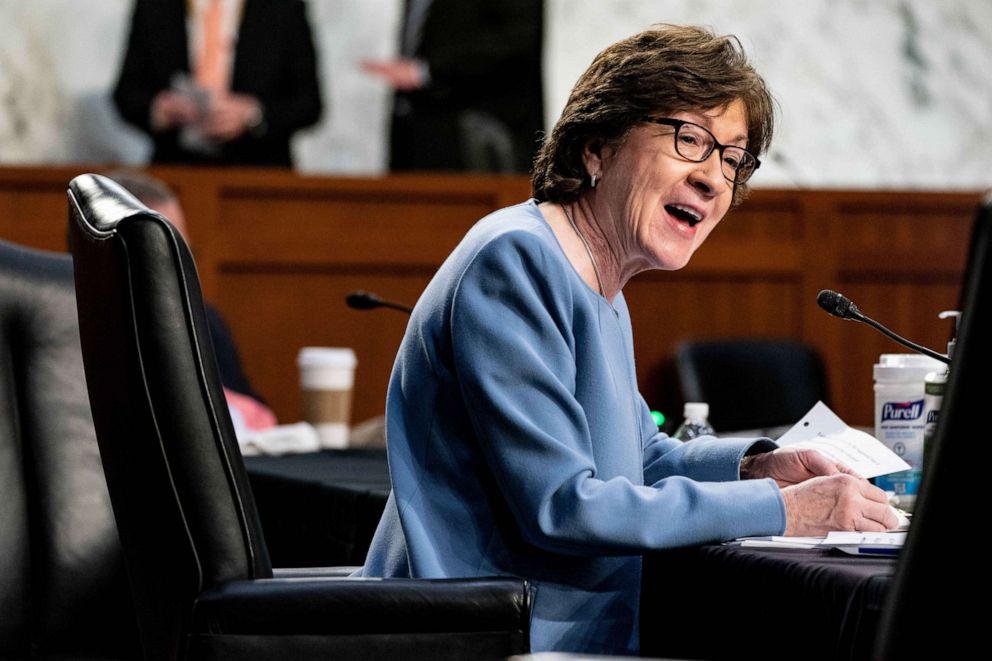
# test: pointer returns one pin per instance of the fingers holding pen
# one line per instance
(877, 512)
(836, 502)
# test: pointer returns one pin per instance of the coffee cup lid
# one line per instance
(326, 357)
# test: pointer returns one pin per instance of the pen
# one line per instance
(879, 550)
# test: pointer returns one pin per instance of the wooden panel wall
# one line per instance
(277, 252)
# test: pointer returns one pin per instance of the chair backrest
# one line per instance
(749, 383)
(180, 493)
(943, 557)
(62, 586)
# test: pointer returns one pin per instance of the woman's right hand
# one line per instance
(836, 502)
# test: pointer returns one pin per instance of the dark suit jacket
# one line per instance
(232, 373)
(274, 60)
(483, 55)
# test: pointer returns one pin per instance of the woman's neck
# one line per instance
(592, 246)
(608, 243)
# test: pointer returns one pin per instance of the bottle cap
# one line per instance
(696, 410)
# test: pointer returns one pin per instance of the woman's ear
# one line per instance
(594, 155)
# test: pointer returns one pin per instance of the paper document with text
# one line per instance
(822, 430)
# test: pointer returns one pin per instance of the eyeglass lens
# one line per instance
(696, 143)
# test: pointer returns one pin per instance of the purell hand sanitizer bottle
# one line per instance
(899, 417)
(934, 386)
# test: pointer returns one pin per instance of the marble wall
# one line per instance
(872, 93)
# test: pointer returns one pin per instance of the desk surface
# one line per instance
(319, 509)
(713, 602)
(730, 602)
(359, 469)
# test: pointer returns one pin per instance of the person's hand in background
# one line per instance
(402, 73)
(230, 116)
(171, 109)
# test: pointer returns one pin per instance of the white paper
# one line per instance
(838, 538)
(281, 439)
(822, 430)
(780, 542)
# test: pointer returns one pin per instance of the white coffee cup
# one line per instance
(327, 376)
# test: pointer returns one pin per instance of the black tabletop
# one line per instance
(732, 602)
(713, 602)
(361, 469)
(319, 509)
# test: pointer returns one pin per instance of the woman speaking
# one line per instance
(518, 442)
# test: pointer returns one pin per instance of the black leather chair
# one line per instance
(751, 384)
(200, 574)
(63, 592)
(926, 613)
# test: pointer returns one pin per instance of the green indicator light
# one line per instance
(659, 418)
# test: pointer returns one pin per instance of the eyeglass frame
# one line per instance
(677, 124)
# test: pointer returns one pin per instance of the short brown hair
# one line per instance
(666, 69)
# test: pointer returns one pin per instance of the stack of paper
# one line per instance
(857, 543)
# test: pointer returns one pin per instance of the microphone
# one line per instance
(363, 300)
(843, 307)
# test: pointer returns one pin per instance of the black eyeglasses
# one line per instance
(696, 143)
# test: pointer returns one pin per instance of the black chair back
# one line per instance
(751, 384)
(943, 559)
(177, 482)
(63, 592)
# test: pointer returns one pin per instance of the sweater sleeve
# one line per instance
(514, 357)
(706, 459)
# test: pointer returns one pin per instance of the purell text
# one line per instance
(902, 410)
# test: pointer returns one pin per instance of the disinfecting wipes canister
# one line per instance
(900, 419)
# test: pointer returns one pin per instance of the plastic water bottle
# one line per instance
(695, 423)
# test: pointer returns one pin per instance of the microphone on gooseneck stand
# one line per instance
(363, 300)
(843, 307)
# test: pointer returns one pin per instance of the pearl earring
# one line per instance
(592, 181)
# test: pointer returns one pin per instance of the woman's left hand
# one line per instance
(788, 466)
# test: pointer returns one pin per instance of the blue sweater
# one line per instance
(518, 444)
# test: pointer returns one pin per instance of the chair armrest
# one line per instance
(314, 572)
(349, 606)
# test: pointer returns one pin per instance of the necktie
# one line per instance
(211, 69)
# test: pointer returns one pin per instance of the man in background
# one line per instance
(223, 82)
(468, 92)
(247, 407)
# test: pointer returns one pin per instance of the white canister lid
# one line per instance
(905, 367)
